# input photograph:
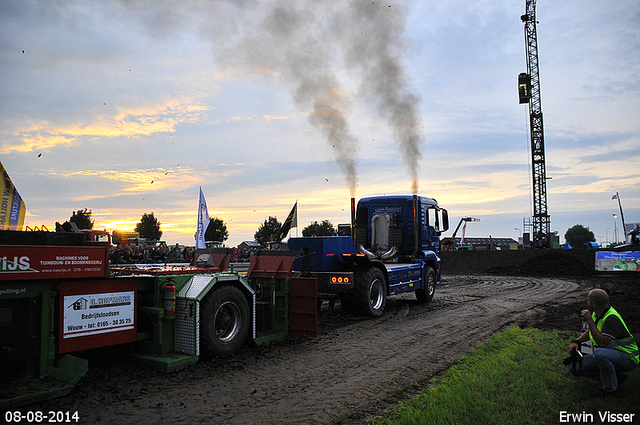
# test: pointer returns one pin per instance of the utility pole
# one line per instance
(529, 92)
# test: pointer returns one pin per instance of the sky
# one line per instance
(129, 107)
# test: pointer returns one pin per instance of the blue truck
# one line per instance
(393, 248)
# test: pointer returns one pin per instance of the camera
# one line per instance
(575, 356)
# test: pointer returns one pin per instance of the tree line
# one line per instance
(577, 236)
(269, 231)
(150, 228)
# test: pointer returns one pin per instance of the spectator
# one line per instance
(615, 350)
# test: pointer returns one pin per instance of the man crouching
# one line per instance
(615, 349)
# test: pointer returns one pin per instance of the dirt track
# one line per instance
(354, 370)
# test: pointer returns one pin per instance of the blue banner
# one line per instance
(617, 261)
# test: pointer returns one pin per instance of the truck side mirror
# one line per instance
(445, 220)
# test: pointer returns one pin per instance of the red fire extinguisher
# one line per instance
(169, 299)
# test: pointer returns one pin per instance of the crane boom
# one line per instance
(450, 243)
(531, 92)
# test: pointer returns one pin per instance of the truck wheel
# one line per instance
(425, 295)
(224, 321)
(371, 291)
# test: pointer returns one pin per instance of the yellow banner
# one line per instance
(12, 209)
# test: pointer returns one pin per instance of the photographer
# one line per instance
(615, 349)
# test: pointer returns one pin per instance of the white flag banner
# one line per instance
(203, 222)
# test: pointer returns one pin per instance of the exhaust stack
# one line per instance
(415, 226)
(353, 219)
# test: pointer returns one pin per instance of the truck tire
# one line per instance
(371, 291)
(224, 321)
(425, 295)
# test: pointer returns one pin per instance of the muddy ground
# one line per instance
(354, 370)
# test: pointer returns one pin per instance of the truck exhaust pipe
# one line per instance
(353, 219)
(415, 226)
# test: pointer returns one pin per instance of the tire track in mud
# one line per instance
(347, 374)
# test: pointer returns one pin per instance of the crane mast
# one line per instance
(529, 91)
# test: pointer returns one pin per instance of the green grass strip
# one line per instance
(517, 378)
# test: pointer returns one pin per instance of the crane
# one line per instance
(450, 243)
(529, 92)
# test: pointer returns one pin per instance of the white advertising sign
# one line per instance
(90, 314)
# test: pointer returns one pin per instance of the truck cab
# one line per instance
(393, 249)
(399, 227)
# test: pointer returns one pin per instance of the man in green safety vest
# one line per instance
(615, 350)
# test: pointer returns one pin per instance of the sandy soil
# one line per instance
(354, 370)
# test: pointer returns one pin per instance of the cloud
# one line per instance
(272, 117)
(140, 180)
(238, 118)
(32, 140)
(125, 122)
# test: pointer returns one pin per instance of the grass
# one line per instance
(518, 377)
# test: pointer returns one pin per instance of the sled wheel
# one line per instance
(225, 321)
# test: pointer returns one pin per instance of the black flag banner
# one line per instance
(291, 221)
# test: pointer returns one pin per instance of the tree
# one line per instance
(216, 231)
(149, 227)
(579, 236)
(82, 218)
(320, 229)
(268, 231)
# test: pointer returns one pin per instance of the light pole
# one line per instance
(615, 229)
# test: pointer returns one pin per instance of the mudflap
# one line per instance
(303, 311)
